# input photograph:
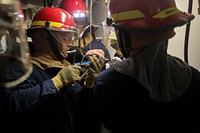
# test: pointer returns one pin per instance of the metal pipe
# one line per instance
(187, 32)
(199, 7)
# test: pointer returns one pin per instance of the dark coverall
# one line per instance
(35, 106)
(124, 106)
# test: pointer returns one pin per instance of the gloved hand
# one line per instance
(67, 76)
(117, 49)
(97, 52)
(93, 70)
(113, 61)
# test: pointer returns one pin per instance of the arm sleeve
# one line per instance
(28, 94)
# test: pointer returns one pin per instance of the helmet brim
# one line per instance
(72, 30)
(148, 24)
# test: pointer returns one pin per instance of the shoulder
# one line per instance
(108, 73)
(112, 77)
(97, 44)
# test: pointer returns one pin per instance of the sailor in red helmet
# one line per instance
(150, 90)
(87, 44)
(48, 100)
(78, 10)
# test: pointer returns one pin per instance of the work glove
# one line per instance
(67, 76)
(93, 70)
(117, 49)
(112, 62)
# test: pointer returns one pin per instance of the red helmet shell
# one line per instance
(53, 18)
(73, 6)
(148, 14)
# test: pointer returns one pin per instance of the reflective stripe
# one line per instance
(42, 23)
(128, 15)
(167, 12)
(138, 14)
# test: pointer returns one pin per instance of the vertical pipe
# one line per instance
(187, 33)
(199, 7)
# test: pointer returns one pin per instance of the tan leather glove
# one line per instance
(93, 71)
(67, 76)
(117, 49)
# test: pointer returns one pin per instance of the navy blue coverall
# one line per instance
(35, 105)
(124, 106)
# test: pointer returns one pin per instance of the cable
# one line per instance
(187, 32)
(82, 60)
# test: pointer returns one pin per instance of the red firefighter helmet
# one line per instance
(54, 18)
(151, 14)
(77, 8)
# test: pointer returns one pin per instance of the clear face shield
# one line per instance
(14, 51)
(64, 37)
(67, 38)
